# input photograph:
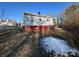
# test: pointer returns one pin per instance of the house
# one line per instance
(7, 22)
(38, 22)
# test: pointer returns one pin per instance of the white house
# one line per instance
(33, 21)
(7, 22)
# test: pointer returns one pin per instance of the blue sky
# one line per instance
(14, 10)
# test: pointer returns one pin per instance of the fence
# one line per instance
(7, 28)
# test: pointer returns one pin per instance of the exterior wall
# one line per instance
(37, 22)
(36, 28)
(7, 23)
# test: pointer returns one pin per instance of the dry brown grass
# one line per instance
(63, 34)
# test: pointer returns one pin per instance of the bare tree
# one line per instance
(71, 22)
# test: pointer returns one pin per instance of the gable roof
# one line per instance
(32, 14)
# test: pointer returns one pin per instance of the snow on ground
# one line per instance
(56, 44)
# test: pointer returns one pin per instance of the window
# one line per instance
(48, 19)
(31, 20)
(53, 19)
(39, 19)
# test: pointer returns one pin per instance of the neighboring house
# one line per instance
(7, 22)
(37, 22)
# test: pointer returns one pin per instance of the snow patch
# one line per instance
(59, 46)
